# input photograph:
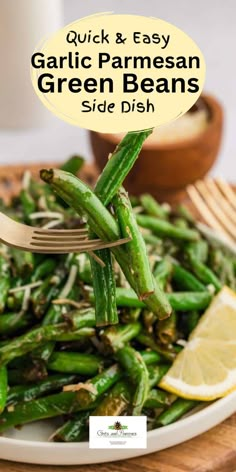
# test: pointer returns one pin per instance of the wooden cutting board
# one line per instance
(214, 451)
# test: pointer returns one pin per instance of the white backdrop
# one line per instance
(211, 23)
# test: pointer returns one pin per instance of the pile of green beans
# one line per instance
(79, 339)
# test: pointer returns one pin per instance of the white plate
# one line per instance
(29, 444)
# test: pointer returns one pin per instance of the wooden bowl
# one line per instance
(164, 170)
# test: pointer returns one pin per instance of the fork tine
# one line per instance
(227, 190)
(60, 232)
(90, 245)
(60, 239)
(103, 244)
(215, 208)
(66, 244)
(204, 210)
(219, 197)
(32, 239)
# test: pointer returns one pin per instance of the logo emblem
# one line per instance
(117, 426)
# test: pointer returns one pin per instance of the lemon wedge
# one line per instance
(206, 368)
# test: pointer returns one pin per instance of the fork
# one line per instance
(216, 202)
(50, 241)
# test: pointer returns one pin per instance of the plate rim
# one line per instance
(196, 417)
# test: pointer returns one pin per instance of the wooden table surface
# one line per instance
(214, 451)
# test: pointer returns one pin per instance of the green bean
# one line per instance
(11, 323)
(74, 363)
(151, 357)
(73, 164)
(130, 316)
(23, 262)
(198, 250)
(108, 184)
(187, 301)
(10, 303)
(216, 259)
(28, 373)
(76, 193)
(179, 408)
(84, 269)
(165, 229)
(162, 272)
(3, 342)
(44, 351)
(78, 319)
(104, 289)
(116, 336)
(149, 319)
(74, 430)
(184, 212)
(227, 274)
(44, 269)
(76, 335)
(125, 297)
(30, 341)
(3, 388)
(192, 319)
(15, 300)
(44, 294)
(28, 392)
(98, 385)
(230, 274)
(148, 340)
(152, 207)
(156, 373)
(180, 222)
(185, 280)
(82, 199)
(153, 240)
(42, 408)
(204, 273)
(5, 281)
(234, 264)
(54, 313)
(177, 348)
(120, 164)
(136, 249)
(167, 329)
(81, 318)
(104, 284)
(180, 301)
(134, 201)
(28, 205)
(133, 363)
(158, 302)
(157, 399)
(116, 401)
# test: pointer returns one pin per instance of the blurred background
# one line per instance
(32, 134)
